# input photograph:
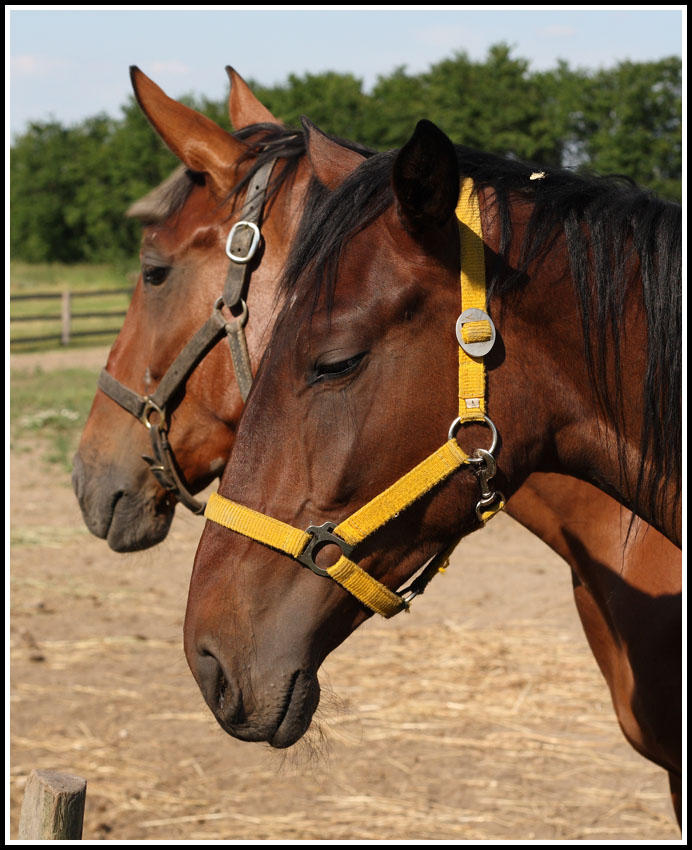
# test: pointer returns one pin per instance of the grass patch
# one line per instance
(51, 408)
(27, 278)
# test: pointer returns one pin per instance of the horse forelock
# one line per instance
(167, 198)
(268, 141)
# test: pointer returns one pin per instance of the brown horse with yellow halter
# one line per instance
(381, 428)
(121, 498)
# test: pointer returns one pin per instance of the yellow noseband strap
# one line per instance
(409, 488)
(404, 492)
(260, 527)
(291, 541)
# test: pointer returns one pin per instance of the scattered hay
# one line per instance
(486, 737)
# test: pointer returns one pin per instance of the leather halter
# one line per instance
(152, 410)
(476, 335)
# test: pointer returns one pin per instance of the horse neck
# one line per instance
(547, 352)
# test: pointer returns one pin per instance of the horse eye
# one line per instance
(155, 275)
(338, 369)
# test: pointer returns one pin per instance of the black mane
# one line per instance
(629, 231)
(276, 141)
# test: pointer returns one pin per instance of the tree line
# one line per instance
(70, 186)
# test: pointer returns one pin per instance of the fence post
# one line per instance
(66, 317)
(53, 807)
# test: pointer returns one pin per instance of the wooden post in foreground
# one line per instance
(53, 807)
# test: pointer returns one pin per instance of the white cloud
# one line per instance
(558, 31)
(170, 67)
(447, 37)
(35, 65)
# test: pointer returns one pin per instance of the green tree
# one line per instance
(397, 102)
(42, 184)
(335, 102)
(496, 105)
(629, 121)
(70, 187)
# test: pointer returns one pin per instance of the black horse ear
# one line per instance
(426, 178)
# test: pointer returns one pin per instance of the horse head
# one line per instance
(184, 264)
(355, 456)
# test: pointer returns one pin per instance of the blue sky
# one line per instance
(72, 62)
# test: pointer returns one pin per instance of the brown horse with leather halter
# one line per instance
(338, 465)
(170, 396)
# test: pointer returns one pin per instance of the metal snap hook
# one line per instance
(497, 498)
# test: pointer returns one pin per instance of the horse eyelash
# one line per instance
(326, 371)
(155, 275)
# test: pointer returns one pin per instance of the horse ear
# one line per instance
(425, 178)
(243, 107)
(331, 162)
(195, 139)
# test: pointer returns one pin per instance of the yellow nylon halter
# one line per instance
(475, 330)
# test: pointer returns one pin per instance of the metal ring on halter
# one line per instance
(253, 245)
(150, 406)
(242, 318)
(457, 422)
(407, 596)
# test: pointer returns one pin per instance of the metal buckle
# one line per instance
(150, 406)
(253, 245)
(321, 535)
(475, 349)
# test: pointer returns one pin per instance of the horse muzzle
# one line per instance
(277, 709)
(122, 511)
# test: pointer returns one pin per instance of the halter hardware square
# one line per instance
(320, 536)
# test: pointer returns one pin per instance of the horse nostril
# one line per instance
(218, 692)
(78, 476)
(208, 675)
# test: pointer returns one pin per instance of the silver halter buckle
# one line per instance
(149, 408)
(253, 244)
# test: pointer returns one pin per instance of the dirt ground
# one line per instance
(479, 716)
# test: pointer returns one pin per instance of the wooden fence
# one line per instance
(70, 323)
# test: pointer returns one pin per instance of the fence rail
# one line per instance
(66, 322)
